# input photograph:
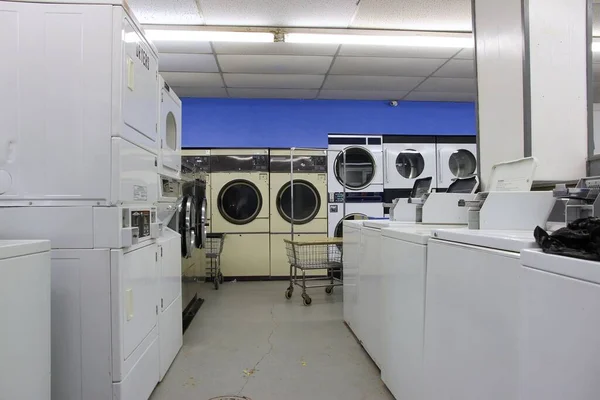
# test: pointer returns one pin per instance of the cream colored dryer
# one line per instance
(240, 210)
(310, 202)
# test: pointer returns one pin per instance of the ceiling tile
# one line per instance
(274, 93)
(299, 49)
(281, 81)
(463, 85)
(301, 13)
(362, 94)
(275, 64)
(436, 15)
(440, 96)
(166, 12)
(193, 79)
(371, 82)
(457, 69)
(173, 62)
(396, 51)
(200, 92)
(386, 66)
(171, 46)
(466, 54)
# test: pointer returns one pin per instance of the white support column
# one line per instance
(532, 75)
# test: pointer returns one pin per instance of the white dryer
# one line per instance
(83, 131)
(356, 162)
(358, 206)
(456, 158)
(406, 159)
(169, 143)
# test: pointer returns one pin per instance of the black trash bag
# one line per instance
(580, 239)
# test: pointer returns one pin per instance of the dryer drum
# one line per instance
(462, 163)
(358, 171)
(239, 202)
(307, 202)
(187, 211)
(410, 164)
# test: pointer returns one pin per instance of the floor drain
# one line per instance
(231, 398)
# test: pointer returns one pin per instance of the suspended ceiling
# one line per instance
(301, 71)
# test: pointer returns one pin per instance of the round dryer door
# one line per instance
(187, 230)
(307, 202)
(410, 164)
(240, 202)
(356, 170)
(462, 163)
(201, 226)
(339, 228)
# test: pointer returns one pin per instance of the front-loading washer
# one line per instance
(456, 158)
(355, 162)
(169, 142)
(309, 206)
(90, 136)
(195, 164)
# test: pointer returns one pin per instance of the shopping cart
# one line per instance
(314, 255)
(212, 251)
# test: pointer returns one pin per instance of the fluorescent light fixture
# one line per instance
(596, 45)
(408, 40)
(208, 36)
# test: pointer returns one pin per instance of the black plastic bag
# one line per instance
(580, 239)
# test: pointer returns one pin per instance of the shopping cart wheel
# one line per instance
(216, 283)
(221, 279)
(288, 293)
(329, 290)
(306, 300)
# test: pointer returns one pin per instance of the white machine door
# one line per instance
(139, 88)
(455, 161)
(407, 162)
(170, 269)
(170, 131)
(355, 167)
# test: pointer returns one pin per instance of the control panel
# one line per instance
(241, 163)
(139, 224)
(195, 164)
(355, 197)
(306, 164)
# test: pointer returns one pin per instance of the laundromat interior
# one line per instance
(267, 200)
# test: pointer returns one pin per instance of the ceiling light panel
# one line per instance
(372, 39)
(208, 36)
(428, 15)
(172, 62)
(396, 52)
(275, 64)
(193, 79)
(292, 49)
(281, 81)
(174, 46)
(344, 82)
(179, 12)
(411, 67)
(298, 13)
(362, 94)
(273, 93)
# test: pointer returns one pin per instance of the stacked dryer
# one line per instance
(309, 202)
(355, 179)
(78, 166)
(240, 209)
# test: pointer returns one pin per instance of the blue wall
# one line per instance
(306, 123)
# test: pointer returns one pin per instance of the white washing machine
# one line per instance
(456, 158)
(356, 162)
(25, 334)
(169, 143)
(310, 202)
(472, 314)
(351, 256)
(358, 206)
(560, 319)
(105, 302)
(240, 209)
(83, 131)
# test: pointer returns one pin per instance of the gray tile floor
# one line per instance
(247, 340)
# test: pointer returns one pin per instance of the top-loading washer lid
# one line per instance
(585, 270)
(513, 176)
(464, 185)
(17, 248)
(421, 187)
(511, 241)
(415, 233)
